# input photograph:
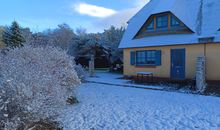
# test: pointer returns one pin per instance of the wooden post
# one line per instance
(92, 66)
(200, 75)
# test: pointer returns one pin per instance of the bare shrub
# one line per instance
(35, 84)
(41, 125)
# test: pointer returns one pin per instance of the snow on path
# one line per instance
(105, 107)
(115, 79)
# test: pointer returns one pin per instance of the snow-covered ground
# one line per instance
(116, 79)
(109, 107)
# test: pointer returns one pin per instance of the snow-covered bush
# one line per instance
(82, 74)
(35, 83)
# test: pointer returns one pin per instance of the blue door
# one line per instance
(178, 64)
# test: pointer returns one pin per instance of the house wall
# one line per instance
(212, 52)
(213, 61)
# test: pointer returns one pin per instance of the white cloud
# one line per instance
(108, 17)
(121, 17)
(93, 10)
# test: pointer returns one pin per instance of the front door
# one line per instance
(178, 64)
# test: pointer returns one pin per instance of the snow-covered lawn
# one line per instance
(116, 79)
(108, 107)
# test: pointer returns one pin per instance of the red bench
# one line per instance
(142, 75)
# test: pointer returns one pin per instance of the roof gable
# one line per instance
(195, 14)
(177, 7)
(150, 26)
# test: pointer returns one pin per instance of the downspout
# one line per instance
(201, 77)
(200, 18)
(205, 48)
(199, 26)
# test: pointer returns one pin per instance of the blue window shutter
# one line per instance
(158, 58)
(132, 57)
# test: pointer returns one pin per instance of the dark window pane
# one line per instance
(150, 26)
(174, 21)
(162, 21)
(141, 57)
(151, 57)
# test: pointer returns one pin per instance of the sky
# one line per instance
(94, 15)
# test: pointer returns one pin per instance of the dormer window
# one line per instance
(174, 22)
(162, 24)
(150, 27)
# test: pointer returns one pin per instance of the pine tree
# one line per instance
(6, 36)
(12, 36)
(111, 38)
(1, 37)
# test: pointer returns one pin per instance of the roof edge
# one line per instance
(170, 45)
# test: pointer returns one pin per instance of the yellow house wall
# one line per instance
(192, 52)
(213, 61)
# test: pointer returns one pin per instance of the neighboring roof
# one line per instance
(201, 16)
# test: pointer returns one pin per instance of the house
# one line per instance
(167, 36)
(101, 56)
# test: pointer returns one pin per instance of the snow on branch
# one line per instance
(35, 81)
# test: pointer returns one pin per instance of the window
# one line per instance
(146, 57)
(151, 57)
(174, 22)
(141, 57)
(150, 27)
(162, 21)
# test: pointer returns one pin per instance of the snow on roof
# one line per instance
(200, 16)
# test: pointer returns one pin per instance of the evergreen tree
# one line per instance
(6, 36)
(111, 38)
(12, 36)
(1, 37)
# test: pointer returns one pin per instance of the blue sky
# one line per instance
(95, 15)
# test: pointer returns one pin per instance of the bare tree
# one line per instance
(61, 37)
